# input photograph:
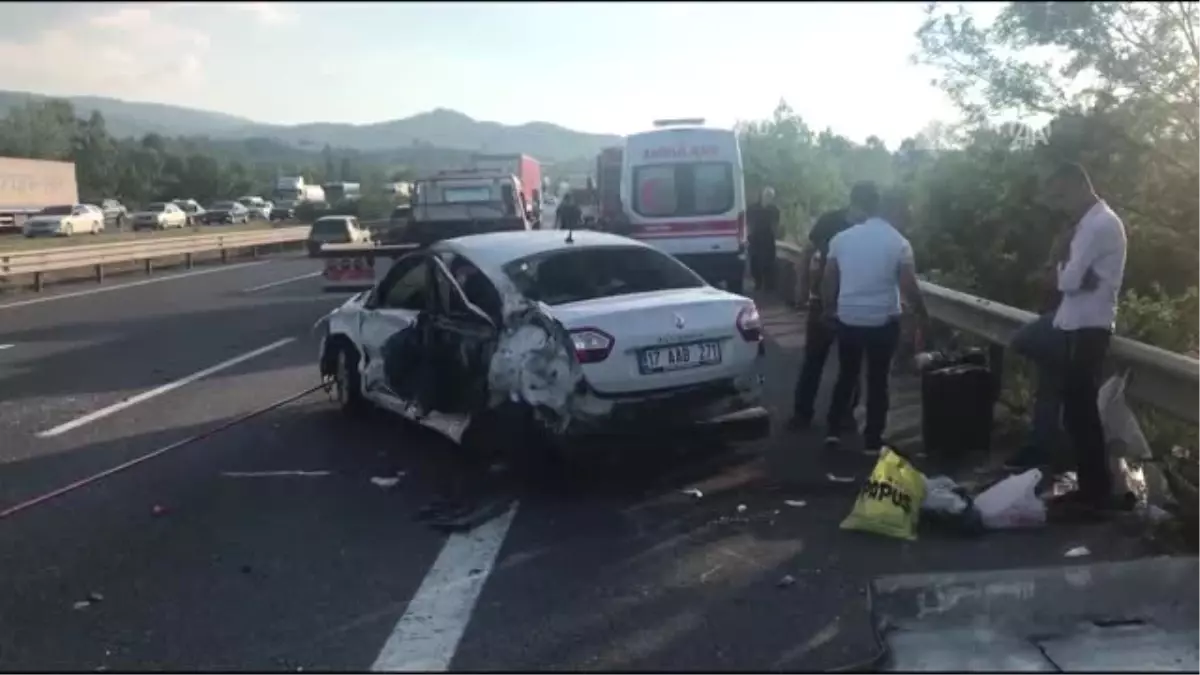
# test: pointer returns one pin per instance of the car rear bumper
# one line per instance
(731, 408)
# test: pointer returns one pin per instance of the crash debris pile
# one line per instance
(896, 495)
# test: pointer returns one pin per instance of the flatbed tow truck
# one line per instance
(445, 205)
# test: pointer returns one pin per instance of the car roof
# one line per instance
(497, 249)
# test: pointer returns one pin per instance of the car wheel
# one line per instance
(347, 384)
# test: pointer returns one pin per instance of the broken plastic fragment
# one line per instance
(1078, 552)
(385, 481)
(838, 479)
(158, 510)
(693, 492)
(273, 474)
(82, 604)
(741, 508)
(786, 581)
(797, 503)
(95, 597)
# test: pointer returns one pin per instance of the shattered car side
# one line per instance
(464, 362)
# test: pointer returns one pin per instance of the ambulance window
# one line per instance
(712, 187)
(654, 190)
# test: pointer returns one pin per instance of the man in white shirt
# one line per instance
(1090, 282)
(868, 267)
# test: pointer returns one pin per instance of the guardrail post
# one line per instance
(188, 261)
(99, 274)
(254, 252)
(996, 365)
(149, 266)
(224, 255)
(38, 281)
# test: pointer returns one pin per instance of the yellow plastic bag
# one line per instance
(890, 502)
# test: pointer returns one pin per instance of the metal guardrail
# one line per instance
(37, 262)
(1167, 381)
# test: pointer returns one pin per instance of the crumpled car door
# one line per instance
(462, 338)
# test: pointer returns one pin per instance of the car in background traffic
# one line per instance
(226, 213)
(115, 213)
(64, 220)
(191, 207)
(393, 231)
(282, 210)
(257, 207)
(552, 338)
(336, 230)
(159, 216)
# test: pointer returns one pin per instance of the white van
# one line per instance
(682, 190)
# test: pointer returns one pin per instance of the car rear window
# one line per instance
(329, 227)
(156, 206)
(691, 189)
(572, 275)
(466, 195)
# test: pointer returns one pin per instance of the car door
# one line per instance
(461, 339)
(395, 306)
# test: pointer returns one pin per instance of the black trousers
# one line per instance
(876, 345)
(819, 337)
(762, 263)
(1086, 350)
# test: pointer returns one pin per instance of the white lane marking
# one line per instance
(3, 347)
(158, 391)
(273, 284)
(132, 284)
(427, 636)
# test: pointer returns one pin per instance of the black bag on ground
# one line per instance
(957, 395)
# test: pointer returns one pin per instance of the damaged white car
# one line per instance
(521, 337)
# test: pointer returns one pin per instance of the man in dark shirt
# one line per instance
(763, 220)
(568, 216)
(819, 334)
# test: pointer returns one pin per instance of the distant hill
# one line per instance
(440, 128)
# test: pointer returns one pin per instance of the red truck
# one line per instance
(527, 170)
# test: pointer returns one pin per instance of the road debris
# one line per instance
(93, 598)
(786, 581)
(838, 479)
(1077, 552)
(158, 510)
(388, 482)
(795, 503)
(274, 474)
(741, 508)
(693, 492)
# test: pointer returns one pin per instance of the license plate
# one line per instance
(349, 269)
(679, 357)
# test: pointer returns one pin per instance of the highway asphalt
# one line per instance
(194, 559)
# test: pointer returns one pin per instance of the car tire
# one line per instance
(347, 384)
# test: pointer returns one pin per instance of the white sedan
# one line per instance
(65, 220)
(159, 216)
(560, 336)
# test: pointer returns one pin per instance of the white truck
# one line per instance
(290, 193)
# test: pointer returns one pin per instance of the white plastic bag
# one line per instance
(940, 496)
(1129, 459)
(1012, 503)
(1123, 435)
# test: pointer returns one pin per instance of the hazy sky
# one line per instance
(590, 66)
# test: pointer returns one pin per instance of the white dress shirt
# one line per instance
(868, 257)
(1099, 245)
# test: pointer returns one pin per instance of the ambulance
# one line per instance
(682, 190)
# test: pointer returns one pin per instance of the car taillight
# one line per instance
(592, 345)
(749, 324)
